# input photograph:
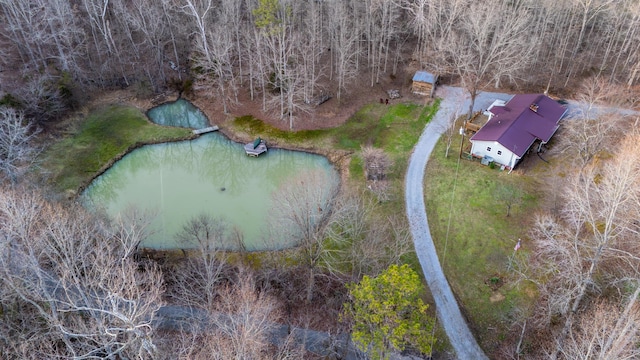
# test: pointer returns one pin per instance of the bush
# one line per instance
(10, 101)
(376, 163)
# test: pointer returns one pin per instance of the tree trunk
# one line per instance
(311, 284)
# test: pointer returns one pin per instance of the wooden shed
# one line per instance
(424, 83)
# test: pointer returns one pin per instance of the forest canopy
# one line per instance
(285, 53)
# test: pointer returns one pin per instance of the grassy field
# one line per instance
(467, 211)
(105, 134)
(394, 128)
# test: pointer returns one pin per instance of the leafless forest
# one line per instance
(284, 54)
(73, 285)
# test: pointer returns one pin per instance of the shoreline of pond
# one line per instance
(338, 159)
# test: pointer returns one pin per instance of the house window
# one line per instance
(488, 148)
(499, 152)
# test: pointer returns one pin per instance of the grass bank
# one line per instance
(106, 134)
(393, 128)
(467, 206)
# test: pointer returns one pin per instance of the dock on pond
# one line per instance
(205, 130)
(255, 148)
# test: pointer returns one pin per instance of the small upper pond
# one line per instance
(209, 175)
(178, 113)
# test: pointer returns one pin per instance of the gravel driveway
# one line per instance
(447, 308)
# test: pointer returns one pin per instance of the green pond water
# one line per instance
(178, 113)
(209, 175)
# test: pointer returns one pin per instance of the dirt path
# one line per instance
(447, 308)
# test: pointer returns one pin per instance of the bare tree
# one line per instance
(449, 128)
(40, 96)
(589, 10)
(486, 48)
(434, 23)
(241, 325)
(508, 195)
(17, 150)
(282, 59)
(112, 55)
(196, 279)
(214, 45)
(583, 139)
(219, 69)
(595, 129)
(344, 36)
(43, 31)
(301, 212)
(381, 29)
(592, 237)
(251, 314)
(150, 30)
(631, 63)
(606, 331)
(597, 93)
(310, 47)
(376, 163)
(75, 285)
(361, 242)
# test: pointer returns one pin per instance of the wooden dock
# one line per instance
(205, 130)
(256, 147)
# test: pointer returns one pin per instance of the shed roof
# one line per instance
(521, 121)
(424, 76)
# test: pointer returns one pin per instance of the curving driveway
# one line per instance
(447, 308)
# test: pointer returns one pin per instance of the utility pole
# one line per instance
(461, 139)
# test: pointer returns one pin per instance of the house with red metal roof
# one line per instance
(513, 127)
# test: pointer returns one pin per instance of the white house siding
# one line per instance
(506, 157)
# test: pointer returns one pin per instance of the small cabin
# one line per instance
(424, 83)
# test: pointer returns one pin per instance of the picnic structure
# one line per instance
(256, 147)
(513, 127)
(424, 83)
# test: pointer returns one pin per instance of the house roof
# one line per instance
(424, 76)
(521, 121)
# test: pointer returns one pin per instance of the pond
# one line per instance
(209, 175)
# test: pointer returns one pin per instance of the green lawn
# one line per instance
(474, 237)
(394, 128)
(256, 127)
(106, 133)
